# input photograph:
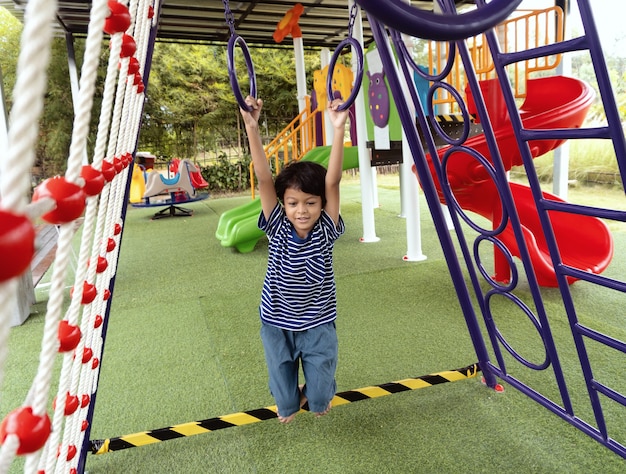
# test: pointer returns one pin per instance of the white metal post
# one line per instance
(298, 50)
(409, 189)
(560, 181)
(365, 166)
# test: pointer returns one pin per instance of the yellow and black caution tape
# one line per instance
(449, 118)
(453, 118)
(102, 446)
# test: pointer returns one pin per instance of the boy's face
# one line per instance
(302, 209)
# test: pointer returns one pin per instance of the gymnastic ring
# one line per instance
(232, 72)
(356, 49)
(439, 27)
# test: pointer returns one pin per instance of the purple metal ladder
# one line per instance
(477, 291)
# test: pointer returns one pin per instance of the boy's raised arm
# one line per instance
(262, 170)
(335, 162)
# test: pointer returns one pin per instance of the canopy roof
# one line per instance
(324, 23)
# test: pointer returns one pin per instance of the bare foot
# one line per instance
(325, 412)
(289, 419)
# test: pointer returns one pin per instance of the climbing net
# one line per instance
(95, 191)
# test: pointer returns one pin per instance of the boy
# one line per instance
(300, 215)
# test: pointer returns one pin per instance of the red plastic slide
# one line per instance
(553, 102)
(197, 180)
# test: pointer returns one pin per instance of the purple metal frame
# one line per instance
(412, 22)
(439, 27)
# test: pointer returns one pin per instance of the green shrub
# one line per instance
(226, 176)
(590, 162)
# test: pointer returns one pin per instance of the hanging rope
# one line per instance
(29, 91)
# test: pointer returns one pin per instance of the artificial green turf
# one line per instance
(183, 345)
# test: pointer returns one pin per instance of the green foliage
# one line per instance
(56, 122)
(191, 107)
(185, 90)
(225, 176)
(583, 69)
(10, 31)
(590, 162)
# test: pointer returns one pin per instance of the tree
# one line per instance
(180, 93)
(191, 107)
(56, 122)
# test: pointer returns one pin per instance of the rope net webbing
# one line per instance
(53, 443)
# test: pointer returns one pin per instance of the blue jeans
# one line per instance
(317, 349)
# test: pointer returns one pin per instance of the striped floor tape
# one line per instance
(253, 416)
(451, 118)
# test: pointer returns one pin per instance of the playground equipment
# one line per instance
(137, 185)
(152, 189)
(156, 183)
(342, 83)
(102, 446)
(235, 40)
(306, 131)
(289, 24)
(197, 180)
(82, 330)
(334, 80)
(557, 102)
(52, 442)
(488, 162)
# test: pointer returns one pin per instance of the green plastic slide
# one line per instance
(238, 227)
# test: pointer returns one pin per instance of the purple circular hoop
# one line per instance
(436, 125)
(402, 49)
(356, 49)
(439, 27)
(232, 72)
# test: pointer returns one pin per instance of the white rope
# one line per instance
(84, 376)
(107, 102)
(11, 444)
(122, 104)
(87, 86)
(29, 90)
(28, 97)
(80, 131)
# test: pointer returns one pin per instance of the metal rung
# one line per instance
(565, 133)
(576, 44)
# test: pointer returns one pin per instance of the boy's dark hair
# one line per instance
(306, 176)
